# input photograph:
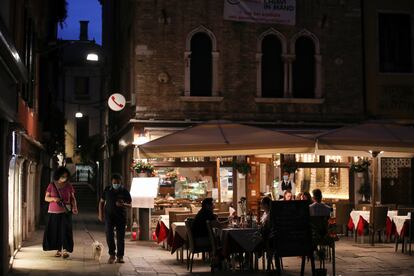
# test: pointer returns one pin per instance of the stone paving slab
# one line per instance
(149, 258)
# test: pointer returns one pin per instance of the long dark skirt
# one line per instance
(58, 233)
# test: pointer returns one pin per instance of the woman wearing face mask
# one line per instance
(286, 185)
(112, 208)
(62, 203)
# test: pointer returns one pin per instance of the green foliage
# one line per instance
(361, 165)
(142, 167)
(242, 167)
(290, 167)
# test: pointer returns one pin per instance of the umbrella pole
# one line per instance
(373, 198)
(218, 180)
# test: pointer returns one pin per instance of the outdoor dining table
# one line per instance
(177, 236)
(358, 220)
(402, 224)
(239, 240)
(161, 230)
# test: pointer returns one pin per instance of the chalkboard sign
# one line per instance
(290, 228)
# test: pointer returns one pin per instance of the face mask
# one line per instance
(62, 179)
(116, 186)
(285, 178)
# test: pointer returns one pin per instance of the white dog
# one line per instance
(97, 249)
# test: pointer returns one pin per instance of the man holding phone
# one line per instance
(112, 209)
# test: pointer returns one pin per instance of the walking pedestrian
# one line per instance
(60, 194)
(112, 209)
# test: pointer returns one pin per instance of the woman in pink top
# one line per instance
(62, 203)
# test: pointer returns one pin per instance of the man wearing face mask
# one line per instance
(286, 185)
(112, 209)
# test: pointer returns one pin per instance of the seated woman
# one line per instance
(288, 195)
(306, 196)
(199, 228)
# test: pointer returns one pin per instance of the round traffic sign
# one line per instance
(116, 102)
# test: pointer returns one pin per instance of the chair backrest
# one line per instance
(177, 209)
(212, 238)
(342, 213)
(380, 217)
(390, 206)
(188, 227)
(319, 228)
(223, 214)
(404, 211)
(173, 215)
(180, 217)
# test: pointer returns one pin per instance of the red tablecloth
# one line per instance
(362, 223)
(161, 231)
(390, 229)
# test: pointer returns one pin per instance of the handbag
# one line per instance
(67, 207)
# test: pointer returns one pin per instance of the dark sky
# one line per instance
(82, 10)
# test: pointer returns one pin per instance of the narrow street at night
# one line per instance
(149, 258)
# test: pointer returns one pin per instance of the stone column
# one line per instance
(187, 67)
(215, 84)
(288, 75)
(318, 76)
(259, 75)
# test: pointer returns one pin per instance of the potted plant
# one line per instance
(290, 167)
(143, 169)
(360, 167)
(242, 167)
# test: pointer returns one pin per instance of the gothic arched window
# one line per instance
(201, 75)
(272, 67)
(304, 68)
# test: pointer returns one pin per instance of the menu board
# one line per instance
(290, 228)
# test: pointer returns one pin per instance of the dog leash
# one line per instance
(90, 235)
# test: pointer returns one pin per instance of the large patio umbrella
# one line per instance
(224, 138)
(368, 139)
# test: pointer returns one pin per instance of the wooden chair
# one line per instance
(214, 245)
(380, 223)
(405, 211)
(181, 217)
(192, 246)
(343, 209)
(322, 239)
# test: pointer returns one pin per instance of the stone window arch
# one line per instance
(201, 68)
(305, 66)
(272, 75)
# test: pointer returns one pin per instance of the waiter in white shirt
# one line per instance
(286, 185)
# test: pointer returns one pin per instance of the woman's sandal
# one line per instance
(58, 254)
(65, 255)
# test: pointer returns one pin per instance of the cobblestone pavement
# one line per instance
(149, 258)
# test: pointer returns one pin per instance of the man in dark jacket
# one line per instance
(112, 206)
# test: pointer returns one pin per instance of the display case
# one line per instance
(190, 189)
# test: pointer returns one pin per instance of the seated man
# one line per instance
(317, 208)
(199, 228)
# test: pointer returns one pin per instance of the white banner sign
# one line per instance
(261, 11)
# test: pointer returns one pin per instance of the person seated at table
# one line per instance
(288, 196)
(265, 204)
(199, 228)
(317, 208)
(306, 196)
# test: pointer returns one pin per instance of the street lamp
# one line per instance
(92, 57)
